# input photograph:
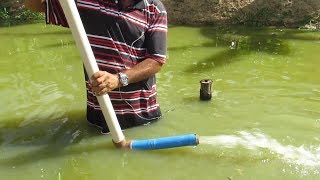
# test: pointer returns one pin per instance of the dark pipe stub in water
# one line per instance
(205, 89)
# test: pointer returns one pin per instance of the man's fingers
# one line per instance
(94, 78)
(95, 90)
(96, 82)
(102, 82)
(97, 75)
(102, 85)
(100, 89)
(98, 78)
(103, 91)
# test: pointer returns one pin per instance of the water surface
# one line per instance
(262, 122)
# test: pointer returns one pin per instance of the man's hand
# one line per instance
(102, 82)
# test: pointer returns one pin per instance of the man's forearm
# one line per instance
(35, 5)
(143, 70)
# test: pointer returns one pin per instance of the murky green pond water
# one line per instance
(262, 123)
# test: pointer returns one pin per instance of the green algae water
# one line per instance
(262, 123)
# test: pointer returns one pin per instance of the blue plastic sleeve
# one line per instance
(165, 142)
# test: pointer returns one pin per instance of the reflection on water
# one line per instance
(265, 80)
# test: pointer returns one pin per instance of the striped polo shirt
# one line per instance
(121, 38)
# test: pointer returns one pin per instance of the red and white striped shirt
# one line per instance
(121, 38)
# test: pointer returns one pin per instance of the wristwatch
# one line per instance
(123, 78)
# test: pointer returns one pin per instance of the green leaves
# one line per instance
(13, 12)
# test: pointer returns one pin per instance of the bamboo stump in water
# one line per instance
(205, 89)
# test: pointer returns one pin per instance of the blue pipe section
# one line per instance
(165, 142)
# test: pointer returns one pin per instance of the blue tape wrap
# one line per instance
(165, 142)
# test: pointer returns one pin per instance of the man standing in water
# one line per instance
(128, 39)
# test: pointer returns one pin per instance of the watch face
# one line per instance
(123, 79)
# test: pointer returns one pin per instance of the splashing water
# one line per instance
(307, 157)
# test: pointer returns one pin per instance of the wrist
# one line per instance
(123, 79)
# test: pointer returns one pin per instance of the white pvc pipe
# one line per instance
(71, 12)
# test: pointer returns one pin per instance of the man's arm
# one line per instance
(35, 5)
(143, 70)
(103, 82)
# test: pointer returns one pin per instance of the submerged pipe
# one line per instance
(72, 15)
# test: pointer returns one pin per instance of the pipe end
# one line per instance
(124, 144)
(197, 139)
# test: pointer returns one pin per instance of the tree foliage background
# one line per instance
(288, 13)
(13, 12)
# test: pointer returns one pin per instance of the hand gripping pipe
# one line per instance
(72, 15)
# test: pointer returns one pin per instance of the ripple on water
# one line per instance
(33, 100)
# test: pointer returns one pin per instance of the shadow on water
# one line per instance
(239, 41)
(62, 44)
(46, 139)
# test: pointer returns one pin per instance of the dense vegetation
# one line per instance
(288, 13)
(13, 12)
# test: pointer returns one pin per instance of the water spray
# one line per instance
(72, 15)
